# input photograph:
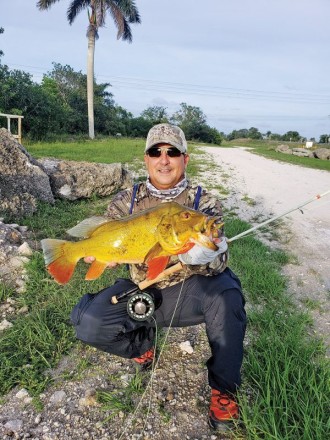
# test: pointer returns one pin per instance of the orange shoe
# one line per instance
(223, 411)
(146, 360)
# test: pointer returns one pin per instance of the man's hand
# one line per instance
(201, 255)
(91, 259)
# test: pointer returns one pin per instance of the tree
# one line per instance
(70, 89)
(192, 120)
(291, 136)
(237, 134)
(324, 139)
(254, 133)
(1, 32)
(155, 115)
(123, 12)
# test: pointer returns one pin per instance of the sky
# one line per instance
(245, 63)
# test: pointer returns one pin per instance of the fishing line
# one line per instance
(156, 362)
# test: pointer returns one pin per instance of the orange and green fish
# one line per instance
(149, 237)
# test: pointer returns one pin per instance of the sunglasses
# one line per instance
(157, 152)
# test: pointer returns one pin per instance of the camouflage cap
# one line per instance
(167, 134)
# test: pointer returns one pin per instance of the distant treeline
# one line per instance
(57, 107)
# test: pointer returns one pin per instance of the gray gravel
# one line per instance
(174, 407)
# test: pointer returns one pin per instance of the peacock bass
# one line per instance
(149, 237)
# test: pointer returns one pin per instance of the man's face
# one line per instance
(165, 171)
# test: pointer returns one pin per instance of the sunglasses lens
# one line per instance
(154, 152)
(171, 152)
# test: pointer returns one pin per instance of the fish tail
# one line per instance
(60, 264)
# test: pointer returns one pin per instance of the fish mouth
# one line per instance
(211, 228)
(208, 232)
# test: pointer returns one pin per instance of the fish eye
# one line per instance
(185, 215)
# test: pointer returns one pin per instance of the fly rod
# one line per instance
(242, 234)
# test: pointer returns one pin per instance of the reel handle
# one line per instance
(117, 298)
(146, 283)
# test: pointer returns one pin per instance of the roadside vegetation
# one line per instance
(130, 151)
(286, 375)
(267, 149)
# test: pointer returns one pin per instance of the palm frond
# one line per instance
(75, 7)
(123, 12)
(122, 20)
(45, 4)
(100, 12)
(127, 34)
(129, 10)
(118, 18)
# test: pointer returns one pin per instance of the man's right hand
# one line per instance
(90, 259)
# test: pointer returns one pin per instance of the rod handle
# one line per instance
(146, 283)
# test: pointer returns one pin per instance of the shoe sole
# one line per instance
(222, 426)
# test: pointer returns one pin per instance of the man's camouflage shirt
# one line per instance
(208, 204)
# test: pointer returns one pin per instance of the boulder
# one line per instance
(22, 180)
(12, 261)
(283, 149)
(302, 152)
(321, 153)
(76, 180)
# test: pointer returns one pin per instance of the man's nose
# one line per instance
(164, 158)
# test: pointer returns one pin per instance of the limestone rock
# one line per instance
(283, 149)
(4, 324)
(302, 152)
(322, 153)
(13, 256)
(22, 180)
(186, 347)
(75, 180)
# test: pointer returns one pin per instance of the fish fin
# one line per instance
(57, 262)
(85, 228)
(155, 251)
(61, 270)
(96, 270)
(156, 266)
(186, 248)
(52, 249)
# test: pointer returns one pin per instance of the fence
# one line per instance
(17, 136)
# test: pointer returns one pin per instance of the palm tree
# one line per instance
(123, 12)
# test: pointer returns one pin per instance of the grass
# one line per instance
(105, 150)
(122, 399)
(285, 393)
(286, 374)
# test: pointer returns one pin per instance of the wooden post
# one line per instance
(19, 118)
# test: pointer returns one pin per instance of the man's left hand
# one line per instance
(198, 255)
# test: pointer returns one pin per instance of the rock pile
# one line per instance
(76, 180)
(319, 153)
(24, 181)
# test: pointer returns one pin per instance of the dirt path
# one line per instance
(270, 188)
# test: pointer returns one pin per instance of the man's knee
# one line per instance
(96, 319)
(233, 304)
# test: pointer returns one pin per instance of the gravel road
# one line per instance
(271, 188)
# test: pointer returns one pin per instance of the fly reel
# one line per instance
(140, 306)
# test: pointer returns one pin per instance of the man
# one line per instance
(208, 291)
